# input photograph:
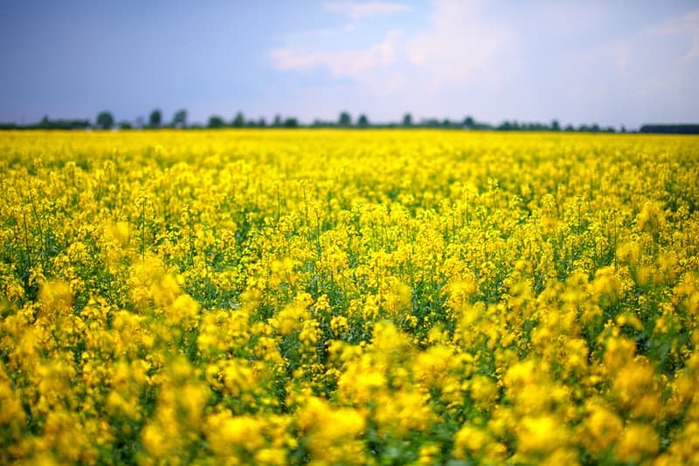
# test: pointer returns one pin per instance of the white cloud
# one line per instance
(459, 47)
(645, 75)
(649, 57)
(686, 26)
(366, 10)
(571, 62)
(353, 63)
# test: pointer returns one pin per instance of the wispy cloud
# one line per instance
(686, 26)
(521, 62)
(459, 46)
(355, 10)
(645, 74)
(353, 63)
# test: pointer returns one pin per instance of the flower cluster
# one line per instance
(339, 297)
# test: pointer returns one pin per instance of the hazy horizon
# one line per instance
(615, 63)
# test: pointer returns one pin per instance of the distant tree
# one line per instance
(670, 129)
(123, 124)
(105, 120)
(363, 121)
(318, 123)
(47, 123)
(555, 125)
(239, 120)
(291, 123)
(216, 121)
(180, 119)
(469, 122)
(407, 120)
(155, 120)
(508, 126)
(277, 121)
(623, 128)
(344, 120)
(261, 123)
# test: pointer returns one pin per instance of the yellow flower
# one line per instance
(398, 299)
(227, 434)
(601, 428)
(638, 442)
(484, 391)
(56, 299)
(541, 435)
(470, 440)
(330, 432)
(271, 456)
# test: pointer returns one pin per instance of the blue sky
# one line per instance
(614, 62)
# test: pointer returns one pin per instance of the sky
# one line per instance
(613, 62)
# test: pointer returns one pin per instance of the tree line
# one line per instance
(105, 121)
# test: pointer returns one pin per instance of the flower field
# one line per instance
(348, 297)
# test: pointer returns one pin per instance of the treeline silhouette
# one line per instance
(106, 121)
(670, 129)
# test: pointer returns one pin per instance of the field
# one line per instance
(348, 297)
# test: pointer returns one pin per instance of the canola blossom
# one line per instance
(348, 297)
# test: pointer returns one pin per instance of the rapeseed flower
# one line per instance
(341, 297)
